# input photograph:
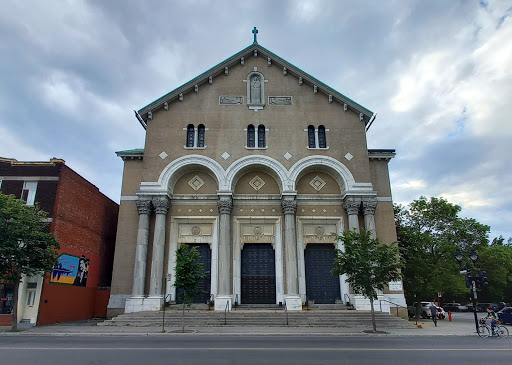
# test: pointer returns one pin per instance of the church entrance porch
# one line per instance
(258, 276)
(205, 257)
(321, 286)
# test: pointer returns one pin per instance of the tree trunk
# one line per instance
(373, 316)
(14, 325)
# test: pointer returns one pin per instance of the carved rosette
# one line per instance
(225, 206)
(369, 206)
(161, 205)
(289, 206)
(352, 205)
(143, 206)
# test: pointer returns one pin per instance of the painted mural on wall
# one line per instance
(71, 270)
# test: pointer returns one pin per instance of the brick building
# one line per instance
(84, 222)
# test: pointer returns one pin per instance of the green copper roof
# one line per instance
(136, 151)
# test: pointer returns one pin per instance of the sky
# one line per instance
(437, 73)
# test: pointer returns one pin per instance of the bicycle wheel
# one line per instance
(502, 331)
(484, 331)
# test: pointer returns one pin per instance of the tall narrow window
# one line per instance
(200, 135)
(311, 137)
(190, 135)
(29, 192)
(251, 136)
(322, 143)
(261, 136)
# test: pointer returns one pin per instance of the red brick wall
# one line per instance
(84, 223)
(5, 320)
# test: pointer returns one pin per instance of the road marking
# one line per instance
(241, 349)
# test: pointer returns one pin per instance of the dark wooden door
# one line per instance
(258, 274)
(321, 285)
(205, 257)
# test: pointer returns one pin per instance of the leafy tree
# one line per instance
(429, 232)
(496, 261)
(369, 265)
(26, 246)
(189, 272)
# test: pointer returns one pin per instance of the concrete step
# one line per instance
(259, 317)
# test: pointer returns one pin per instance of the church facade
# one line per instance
(259, 165)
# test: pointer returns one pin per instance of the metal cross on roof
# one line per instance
(255, 32)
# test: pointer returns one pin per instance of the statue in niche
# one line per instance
(256, 89)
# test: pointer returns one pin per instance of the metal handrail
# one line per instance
(286, 312)
(211, 301)
(348, 301)
(396, 304)
(226, 313)
(236, 301)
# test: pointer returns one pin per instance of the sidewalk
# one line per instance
(462, 325)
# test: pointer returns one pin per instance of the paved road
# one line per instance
(212, 350)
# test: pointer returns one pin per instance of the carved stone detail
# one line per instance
(317, 183)
(161, 205)
(225, 205)
(280, 100)
(143, 206)
(255, 90)
(289, 206)
(352, 205)
(196, 182)
(231, 100)
(257, 183)
(369, 205)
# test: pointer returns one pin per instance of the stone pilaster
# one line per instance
(351, 206)
(141, 251)
(369, 206)
(161, 205)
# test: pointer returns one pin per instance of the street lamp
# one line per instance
(471, 281)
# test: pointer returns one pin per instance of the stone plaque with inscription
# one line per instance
(280, 100)
(231, 100)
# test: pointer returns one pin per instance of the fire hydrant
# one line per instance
(450, 316)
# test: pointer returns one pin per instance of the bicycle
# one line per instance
(485, 330)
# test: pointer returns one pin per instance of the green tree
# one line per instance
(189, 272)
(496, 261)
(429, 232)
(26, 246)
(369, 265)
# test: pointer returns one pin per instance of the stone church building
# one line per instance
(259, 165)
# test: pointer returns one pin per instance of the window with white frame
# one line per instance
(256, 137)
(195, 136)
(29, 192)
(316, 137)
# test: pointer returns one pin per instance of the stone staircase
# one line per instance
(259, 316)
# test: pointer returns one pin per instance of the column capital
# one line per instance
(225, 204)
(143, 206)
(351, 205)
(289, 206)
(161, 205)
(369, 205)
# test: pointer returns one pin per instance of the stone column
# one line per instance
(292, 298)
(351, 206)
(141, 252)
(161, 205)
(369, 205)
(224, 296)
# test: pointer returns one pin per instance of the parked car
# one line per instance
(505, 315)
(425, 311)
(482, 307)
(455, 307)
